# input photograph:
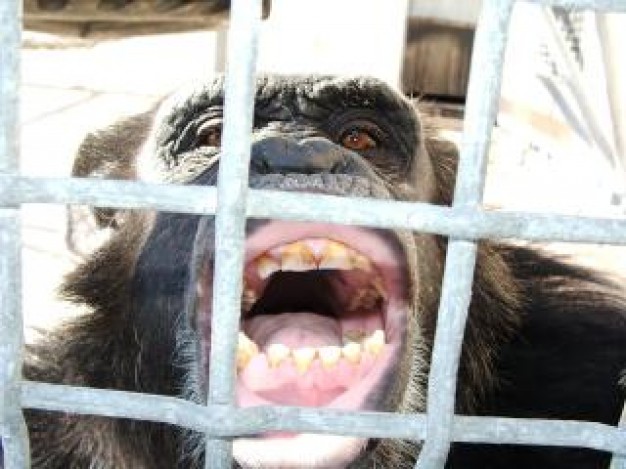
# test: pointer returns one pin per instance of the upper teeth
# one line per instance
(266, 266)
(302, 358)
(310, 254)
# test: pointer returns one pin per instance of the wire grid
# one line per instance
(465, 222)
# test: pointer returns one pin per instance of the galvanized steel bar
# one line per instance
(597, 5)
(240, 90)
(465, 221)
(577, 85)
(483, 96)
(12, 425)
(618, 461)
(612, 36)
(454, 304)
(194, 199)
(461, 222)
(225, 421)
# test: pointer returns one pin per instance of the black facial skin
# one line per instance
(544, 339)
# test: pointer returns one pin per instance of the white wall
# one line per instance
(346, 37)
(457, 11)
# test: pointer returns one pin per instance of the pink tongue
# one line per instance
(295, 330)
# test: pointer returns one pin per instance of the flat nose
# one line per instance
(281, 154)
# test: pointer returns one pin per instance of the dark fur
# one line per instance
(544, 339)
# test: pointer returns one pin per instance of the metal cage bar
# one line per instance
(482, 105)
(230, 219)
(226, 422)
(220, 420)
(597, 5)
(12, 424)
(462, 222)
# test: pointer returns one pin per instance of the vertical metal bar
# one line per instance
(612, 34)
(483, 98)
(576, 82)
(12, 424)
(230, 216)
(619, 461)
(482, 105)
(400, 11)
(219, 64)
(456, 295)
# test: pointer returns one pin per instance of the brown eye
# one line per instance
(358, 140)
(210, 134)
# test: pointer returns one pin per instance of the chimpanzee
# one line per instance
(333, 316)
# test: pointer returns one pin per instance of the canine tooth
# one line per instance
(352, 352)
(297, 257)
(246, 350)
(375, 342)
(335, 256)
(353, 336)
(266, 266)
(276, 354)
(303, 357)
(329, 355)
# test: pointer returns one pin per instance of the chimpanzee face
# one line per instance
(325, 308)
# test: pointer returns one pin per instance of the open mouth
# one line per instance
(324, 312)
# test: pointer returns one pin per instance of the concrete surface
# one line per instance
(69, 87)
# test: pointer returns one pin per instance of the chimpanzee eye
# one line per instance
(210, 134)
(358, 139)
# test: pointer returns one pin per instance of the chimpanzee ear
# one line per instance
(107, 153)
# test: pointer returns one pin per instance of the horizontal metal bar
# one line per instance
(226, 421)
(16, 189)
(597, 5)
(464, 223)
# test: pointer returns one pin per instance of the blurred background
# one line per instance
(559, 144)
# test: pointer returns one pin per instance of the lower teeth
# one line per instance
(279, 354)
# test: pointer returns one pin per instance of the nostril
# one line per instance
(278, 154)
